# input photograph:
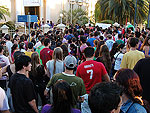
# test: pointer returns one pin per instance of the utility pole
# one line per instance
(29, 20)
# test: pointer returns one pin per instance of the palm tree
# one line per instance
(4, 11)
(120, 10)
(78, 16)
(98, 13)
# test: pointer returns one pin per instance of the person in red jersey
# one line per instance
(90, 71)
(46, 53)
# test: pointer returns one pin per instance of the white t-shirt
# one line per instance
(4, 61)
(64, 40)
(9, 44)
(38, 44)
(23, 50)
(118, 60)
(116, 37)
(109, 44)
(59, 67)
(3, 100)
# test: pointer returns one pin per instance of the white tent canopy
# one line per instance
(103, 25)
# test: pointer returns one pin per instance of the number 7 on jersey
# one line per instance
(91, 73)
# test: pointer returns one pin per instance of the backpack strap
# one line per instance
(116, 58)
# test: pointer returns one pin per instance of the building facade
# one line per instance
(46, 9)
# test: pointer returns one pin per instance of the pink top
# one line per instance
(83, 46)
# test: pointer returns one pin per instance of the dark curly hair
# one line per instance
(130, 82)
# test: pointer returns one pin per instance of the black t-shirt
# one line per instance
(39, 78)
(10, 73)
(142, 68)
(22, 90)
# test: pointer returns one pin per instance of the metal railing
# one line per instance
(21, 31)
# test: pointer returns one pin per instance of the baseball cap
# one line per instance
(70, 61)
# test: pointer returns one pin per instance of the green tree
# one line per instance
(98, 13)
(120, 10)
(78, 16)
(3, 12)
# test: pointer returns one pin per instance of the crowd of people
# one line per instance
(77, 69)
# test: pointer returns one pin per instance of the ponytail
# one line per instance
(54, 70)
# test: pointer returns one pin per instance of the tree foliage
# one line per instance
(78, 16)
(120, 10)
(107, 21)
(3, 12)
